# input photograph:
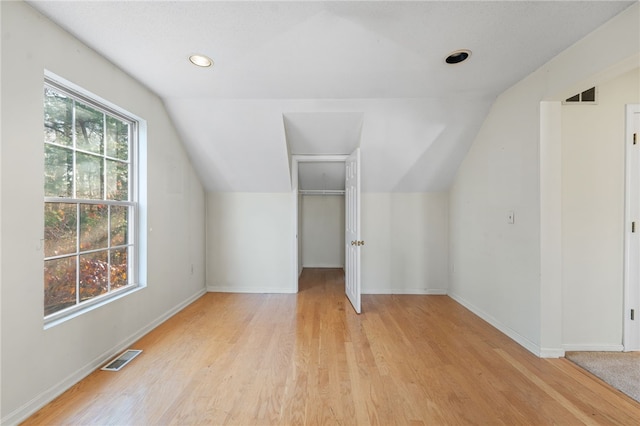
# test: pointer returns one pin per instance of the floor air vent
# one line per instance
(123, 359)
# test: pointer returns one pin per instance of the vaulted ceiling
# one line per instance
(316, 77)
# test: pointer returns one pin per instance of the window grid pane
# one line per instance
(58, 173)
(60, 230)
(89, 129)
(58, 111)
(59, 284)
(94, 275)
(94, 232)
(117, 186)
(117, 145)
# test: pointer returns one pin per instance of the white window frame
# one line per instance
(136, 258)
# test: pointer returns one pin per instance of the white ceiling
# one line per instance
(328, 76)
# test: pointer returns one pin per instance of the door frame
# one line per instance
(631, 328)
(353, 242)
(295, 160)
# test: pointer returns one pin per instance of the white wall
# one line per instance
(322, 231)
(593, 173)
(38, 364)
(494, 264)
(249, 242)
(496, 267)
(406, 247)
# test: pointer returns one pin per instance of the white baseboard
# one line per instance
(551, 353)
(26, 410)
(416, 291)
(213, 288)
(592, 348)
(512, 334)
(324, 266)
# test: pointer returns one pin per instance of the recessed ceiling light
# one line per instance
(201, 60)
(458, 56)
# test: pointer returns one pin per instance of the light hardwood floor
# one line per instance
(259, 359)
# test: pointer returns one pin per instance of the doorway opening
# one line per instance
(317, 192)
(343, 174)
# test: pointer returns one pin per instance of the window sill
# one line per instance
(76, 311)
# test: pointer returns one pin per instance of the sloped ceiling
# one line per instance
(322, 133)
(316, 76)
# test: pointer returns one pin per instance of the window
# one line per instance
(90, 206)
(586, 97)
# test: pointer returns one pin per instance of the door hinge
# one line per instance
(632, 314)
(635, 138)
(633, 227)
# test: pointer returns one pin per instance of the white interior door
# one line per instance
(353, 244)
(631, 338)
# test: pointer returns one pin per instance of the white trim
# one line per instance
(321, 192)
(22, 413)
(62, 83)
(415, 291)
(214, 288)
(296, 270)
(631, 280)
(296, 265)
(550, 181)
(86, 201)
(511, 333)
(72, 312)
(551, 353)
(324, 266)
(592, 348)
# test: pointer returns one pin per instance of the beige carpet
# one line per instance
(620, 369)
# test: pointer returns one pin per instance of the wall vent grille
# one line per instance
(123, 359)
(586, 97)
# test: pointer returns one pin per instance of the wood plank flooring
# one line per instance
(268, 359)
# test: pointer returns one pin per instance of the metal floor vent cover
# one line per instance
(123, 359)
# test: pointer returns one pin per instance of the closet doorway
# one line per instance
(320, 212)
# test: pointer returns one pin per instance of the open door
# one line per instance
(352, 229)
